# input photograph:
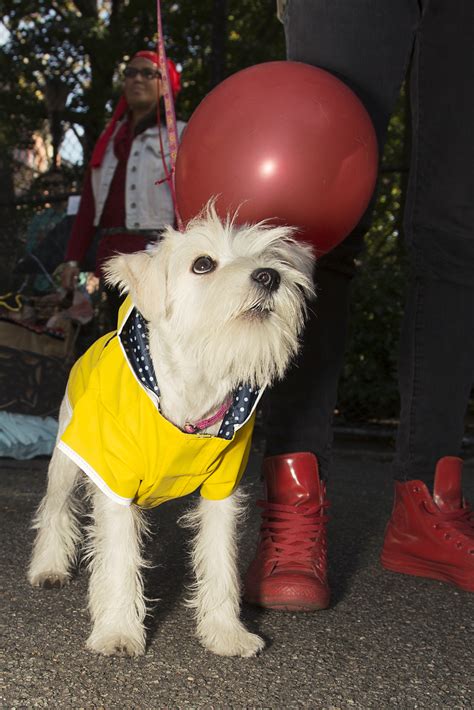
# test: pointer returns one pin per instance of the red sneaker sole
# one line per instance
(286, 605)
(406, 565)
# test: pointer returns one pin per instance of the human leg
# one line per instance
(436, 369)
(368, 48)
(432, 534)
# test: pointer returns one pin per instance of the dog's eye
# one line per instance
(203, 265)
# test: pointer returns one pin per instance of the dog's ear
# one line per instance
(144, 276)
(301, 258)
(304, 257)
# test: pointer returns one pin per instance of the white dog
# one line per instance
(166, 406)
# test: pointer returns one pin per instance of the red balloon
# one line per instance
(283, 141)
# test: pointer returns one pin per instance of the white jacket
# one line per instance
(147, 205)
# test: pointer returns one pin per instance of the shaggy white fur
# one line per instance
(224, 305)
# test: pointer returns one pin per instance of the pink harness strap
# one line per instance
(205, 423)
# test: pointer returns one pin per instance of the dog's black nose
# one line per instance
(268, 278)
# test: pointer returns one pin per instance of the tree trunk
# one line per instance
(219, 42)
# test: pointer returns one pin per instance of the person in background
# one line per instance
(126, 199)
(369, 44)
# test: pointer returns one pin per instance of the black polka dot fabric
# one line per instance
(134, 339)
(239, 411)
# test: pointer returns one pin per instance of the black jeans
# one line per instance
(370, 45)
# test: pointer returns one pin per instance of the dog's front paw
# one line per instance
(116, 644)
(234, 642)
(49, 580)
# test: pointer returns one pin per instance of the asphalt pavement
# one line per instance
(387, 641)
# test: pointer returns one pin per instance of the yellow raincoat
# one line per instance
(119, 438)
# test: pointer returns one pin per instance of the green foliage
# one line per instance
(82, 44)
(213, 40)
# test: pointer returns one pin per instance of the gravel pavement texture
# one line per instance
(388, 640)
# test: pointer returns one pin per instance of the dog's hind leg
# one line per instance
(216, 593)
(116, 597)
(56, 520)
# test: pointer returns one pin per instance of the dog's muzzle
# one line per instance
(269, 279)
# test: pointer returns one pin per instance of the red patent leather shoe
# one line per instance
(289, 571)
(432, 536)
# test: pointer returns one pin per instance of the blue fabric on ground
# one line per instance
(23, 436)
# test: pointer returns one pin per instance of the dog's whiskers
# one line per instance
(262, 306)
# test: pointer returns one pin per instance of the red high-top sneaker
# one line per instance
(432, 536)
(288, 572)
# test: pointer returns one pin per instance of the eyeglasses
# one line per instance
(147, 74)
